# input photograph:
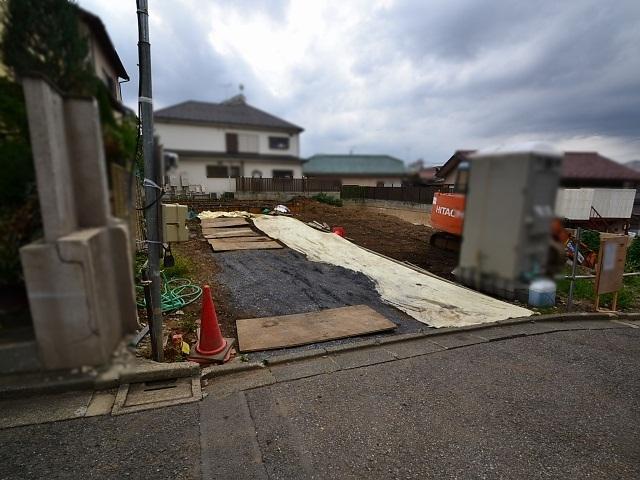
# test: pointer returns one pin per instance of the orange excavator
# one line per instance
(447, 218)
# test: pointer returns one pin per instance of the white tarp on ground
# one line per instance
(428, 299)
(209, 214)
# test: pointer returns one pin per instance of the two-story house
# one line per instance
(218, 142)
(103, 56)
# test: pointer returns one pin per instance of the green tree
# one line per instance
(44, 37)
(633, 255)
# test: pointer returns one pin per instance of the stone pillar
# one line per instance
(79, 278)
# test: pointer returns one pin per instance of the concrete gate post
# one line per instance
(79, 277)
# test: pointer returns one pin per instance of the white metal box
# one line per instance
(509, 206)
(174, 218)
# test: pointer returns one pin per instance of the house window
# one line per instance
(279, 143)
(283, 174)
(232, 142)
(256, 174)
(217, 171)
(235, 172)
(248, 143)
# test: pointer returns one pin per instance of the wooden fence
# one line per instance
(398, 194)
(248, 184)
(120, 201)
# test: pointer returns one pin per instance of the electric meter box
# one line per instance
(510, 203)
(174, 221)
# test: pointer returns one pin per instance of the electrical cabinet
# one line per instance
(174, 221)
(509, 207)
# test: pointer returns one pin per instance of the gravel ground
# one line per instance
(264, 283)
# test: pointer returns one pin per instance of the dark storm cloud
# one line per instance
(413, 78)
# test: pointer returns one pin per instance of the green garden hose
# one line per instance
(176, 293)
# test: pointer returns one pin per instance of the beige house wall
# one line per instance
(209, 138)
(194, 171)
(372, 181)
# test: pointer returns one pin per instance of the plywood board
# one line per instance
(259, 238)
(224, 222)
(223, 245)
(611, 259)
(229, 232)
(256, 334)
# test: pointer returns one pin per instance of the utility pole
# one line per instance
(152, 187)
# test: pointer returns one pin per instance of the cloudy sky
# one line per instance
(412, 78)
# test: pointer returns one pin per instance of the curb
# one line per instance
(153, 371)
(216, 371)
(147, 371)
(294, 357)
(44, 386)
(112, 377)
(229, 368)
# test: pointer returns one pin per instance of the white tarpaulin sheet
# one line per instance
(428, 299)
(209, 214)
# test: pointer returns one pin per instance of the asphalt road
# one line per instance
(558, 405)
(562, 405)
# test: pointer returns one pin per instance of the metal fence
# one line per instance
(399, 194)
(248, 184)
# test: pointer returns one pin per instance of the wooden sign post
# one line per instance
(610, 267)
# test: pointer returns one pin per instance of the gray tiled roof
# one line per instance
(234, 111)
(353, 164)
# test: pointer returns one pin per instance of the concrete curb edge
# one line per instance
(111, 378)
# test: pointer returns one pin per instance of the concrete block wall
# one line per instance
(280, 196)
(415, 213)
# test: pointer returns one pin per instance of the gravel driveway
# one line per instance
(265, 283)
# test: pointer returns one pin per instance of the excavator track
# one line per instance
(445, 241)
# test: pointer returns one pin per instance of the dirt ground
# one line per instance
(203, 270)
(382, 233)
(385, 234)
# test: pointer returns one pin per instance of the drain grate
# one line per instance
(160, 384)
(156, 394)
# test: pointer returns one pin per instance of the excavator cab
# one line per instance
(447, 212)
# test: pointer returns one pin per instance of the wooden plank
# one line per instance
(224, 222)
(222, 246)
(229, 232)
(260, 238)
(255, 334)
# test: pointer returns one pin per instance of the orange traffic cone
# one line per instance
(211, 346)
(210, 341)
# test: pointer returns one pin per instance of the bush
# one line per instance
(633, 256)
(328, 199)
(181, 268)
(591, 239)
(585, 290)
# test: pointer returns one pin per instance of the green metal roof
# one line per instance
(353, 165)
